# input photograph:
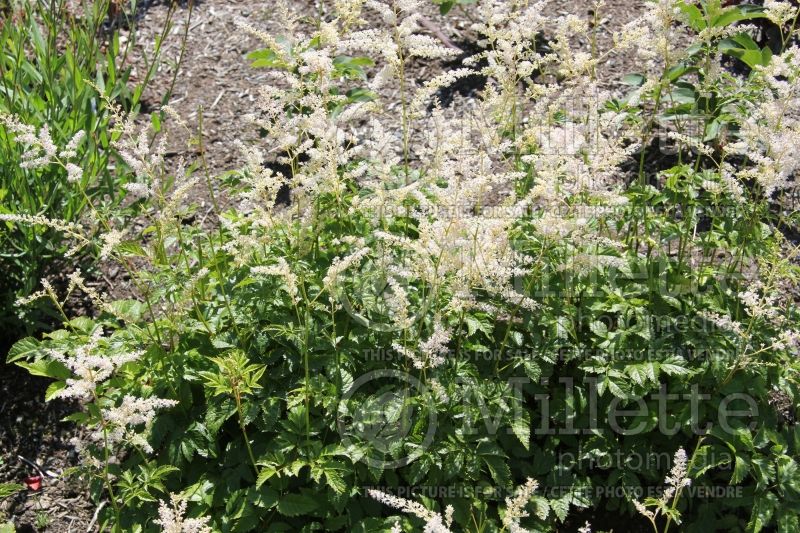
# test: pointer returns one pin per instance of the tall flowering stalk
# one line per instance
(666, 504)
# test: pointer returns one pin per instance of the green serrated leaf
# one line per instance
(297, 505)
(27, 348)
(53, 389)
(265, 474)
(561, 507)
(740, 470)
(599, 328)
(48, 369)
(521, 426)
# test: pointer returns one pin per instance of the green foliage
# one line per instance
(9, 489)
(446, 5)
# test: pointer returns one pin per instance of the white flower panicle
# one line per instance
(135, 150)
(74, 173)
(283, 270)
(90, 367)
(110, 240)
(70, 229)
(172, 517)
(40, 150)
(71, 149)
(99, 300)
(770, 129)
(434, 522)
(724, 322)
(644, 511)
(678, 476)
(780, 13)
(676, 480)
(435, 347)
(138, 190)
(341, 264)
(122, 422)
(515, 507)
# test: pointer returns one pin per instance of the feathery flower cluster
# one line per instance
(71, 149)
(676, 480)
(434, 522)
(770, 129)
(340, 264)
(40, 150)
(90, 367)
(172, 517)
(691, 142)
(111, 239)
(283, 270)
(780, 13)
(644, 511)
(262, 186)
(515, 507)
(100, 301)
(662, 42)
(70, 229)
(435, 347)
(121, 421)
(135, 150)
(759, 304)
(723, 322)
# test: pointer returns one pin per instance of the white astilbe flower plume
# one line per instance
(171, 518)
(74, 173)
(434, 522)
(111, 239)
(769, 128)
(340, 264)
(283, 270)
(515, 507)
(40, 150)
(122, 421)
(678, 476)
(89, 367)
(644, 511)
(675, 481)
(435, 347)
(71, 149)
(779, 12)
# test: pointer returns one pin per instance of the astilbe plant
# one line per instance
(531, 238)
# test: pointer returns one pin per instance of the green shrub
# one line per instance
(563, 285)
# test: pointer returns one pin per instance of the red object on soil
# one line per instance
(33, 483)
